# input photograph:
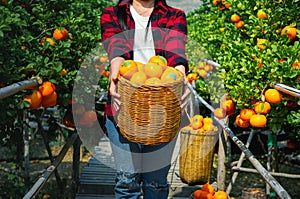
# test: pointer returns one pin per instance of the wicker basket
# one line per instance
(150, 114)
(196, 156)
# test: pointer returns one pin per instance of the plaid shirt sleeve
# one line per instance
(176, 39)
(113, 38)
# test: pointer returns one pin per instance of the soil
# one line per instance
(14, 188)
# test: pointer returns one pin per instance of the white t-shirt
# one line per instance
(142, 49)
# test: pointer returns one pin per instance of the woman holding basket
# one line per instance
(137, 30)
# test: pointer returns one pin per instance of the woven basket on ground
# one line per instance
(196, 156)
(150, 114)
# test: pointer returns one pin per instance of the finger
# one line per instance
(117, 101)
(186, 94)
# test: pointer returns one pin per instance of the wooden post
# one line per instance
(221, 162)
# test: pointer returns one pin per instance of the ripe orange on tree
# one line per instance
(261, 14)
(49, 40)
(63, 72)
(47, 88)
(88, 118)
(235, 18)
(60, 34)
(220, 113)
(262, 107)
(34, 99)
(291, 32)
(258, 120)
(127, 68)
(229, 106)
(247, 113)
(241, 123)
(49, 100)
(273, 96)
(239, 24)
(261, 43)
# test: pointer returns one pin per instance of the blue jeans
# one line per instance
(140, 169)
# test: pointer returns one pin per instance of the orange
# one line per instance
(200, 194)
(247, 113)
(239, 24)
(201, 64)
(60, 34)
(153, 81)
(258, 120)
(208, 127)
(51, 42)
(262, 107)
(261, 15)
(235, 18)
(106, 73)
(63, 72)
(170, 74)
(191, 77)
(158, 59)
(220, 195)
(202, 73)
(196, 122)
(296, 65)
(241, 123)
(35, 99)
(215, 2)
(153, 70)
(138, 77)
(208, 188)
(140, 66)
(273, 96)
(229, 106)
(291, 31)
(88, 118)
(260, 43)
(49, 100)
(103, 59)
(208, 68)
(47, 88)
(220, 113)
(207, 120)
(127, 68)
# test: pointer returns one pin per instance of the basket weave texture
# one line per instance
(196, 156)
(150, 114)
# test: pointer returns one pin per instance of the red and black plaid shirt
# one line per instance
(169, 30)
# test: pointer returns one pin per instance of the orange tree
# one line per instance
(256, 43)
(45, 38)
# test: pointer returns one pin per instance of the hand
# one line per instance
(115, 96)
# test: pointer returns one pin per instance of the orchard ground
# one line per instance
(244, 180)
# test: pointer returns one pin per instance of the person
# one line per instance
(137, 30)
